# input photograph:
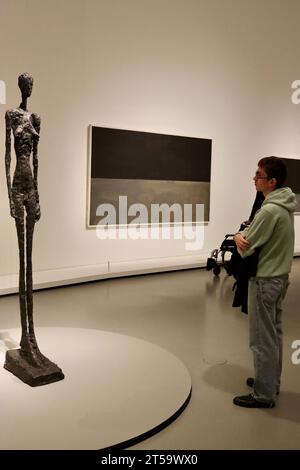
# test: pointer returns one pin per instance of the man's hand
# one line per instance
(241, 242)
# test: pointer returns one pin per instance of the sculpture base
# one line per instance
(33, 376)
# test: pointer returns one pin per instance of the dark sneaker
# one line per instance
(248, 401)
(250, 383)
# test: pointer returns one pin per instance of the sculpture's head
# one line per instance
(25, 82)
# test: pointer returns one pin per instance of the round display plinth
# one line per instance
(117, 391)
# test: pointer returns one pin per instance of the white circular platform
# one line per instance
(117, 390)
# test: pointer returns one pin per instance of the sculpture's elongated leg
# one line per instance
(22, 287)
(29, 238)
(31, 350)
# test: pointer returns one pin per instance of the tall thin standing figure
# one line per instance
(27, 363)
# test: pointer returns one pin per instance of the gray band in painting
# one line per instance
(147, 192)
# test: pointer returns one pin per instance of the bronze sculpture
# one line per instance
(27, 363)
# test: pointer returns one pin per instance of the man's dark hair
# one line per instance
(274, 168)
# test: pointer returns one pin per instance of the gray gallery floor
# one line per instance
(188, 313)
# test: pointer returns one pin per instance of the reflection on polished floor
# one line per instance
(188, 313)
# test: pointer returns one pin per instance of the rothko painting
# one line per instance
(147, 168)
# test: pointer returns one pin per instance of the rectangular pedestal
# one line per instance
(33, 376)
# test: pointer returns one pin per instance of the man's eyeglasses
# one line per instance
(257, 176)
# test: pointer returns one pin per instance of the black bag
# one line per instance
(244, 268)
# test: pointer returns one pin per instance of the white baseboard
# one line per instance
(79, 274)
(55, 277)
(157, 264)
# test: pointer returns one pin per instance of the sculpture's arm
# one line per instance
(37, 127)
(8, 160)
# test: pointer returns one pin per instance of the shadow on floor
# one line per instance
(231, 378)
(227, 377)
(220, 288)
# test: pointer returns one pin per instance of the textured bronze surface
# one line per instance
(23, 195)
(18, 364)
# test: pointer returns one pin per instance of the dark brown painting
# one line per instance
(148, 169)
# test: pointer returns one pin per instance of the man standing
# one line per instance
(272, 234)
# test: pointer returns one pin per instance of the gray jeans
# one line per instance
(265, 296)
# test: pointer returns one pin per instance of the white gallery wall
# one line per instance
(218, 69)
